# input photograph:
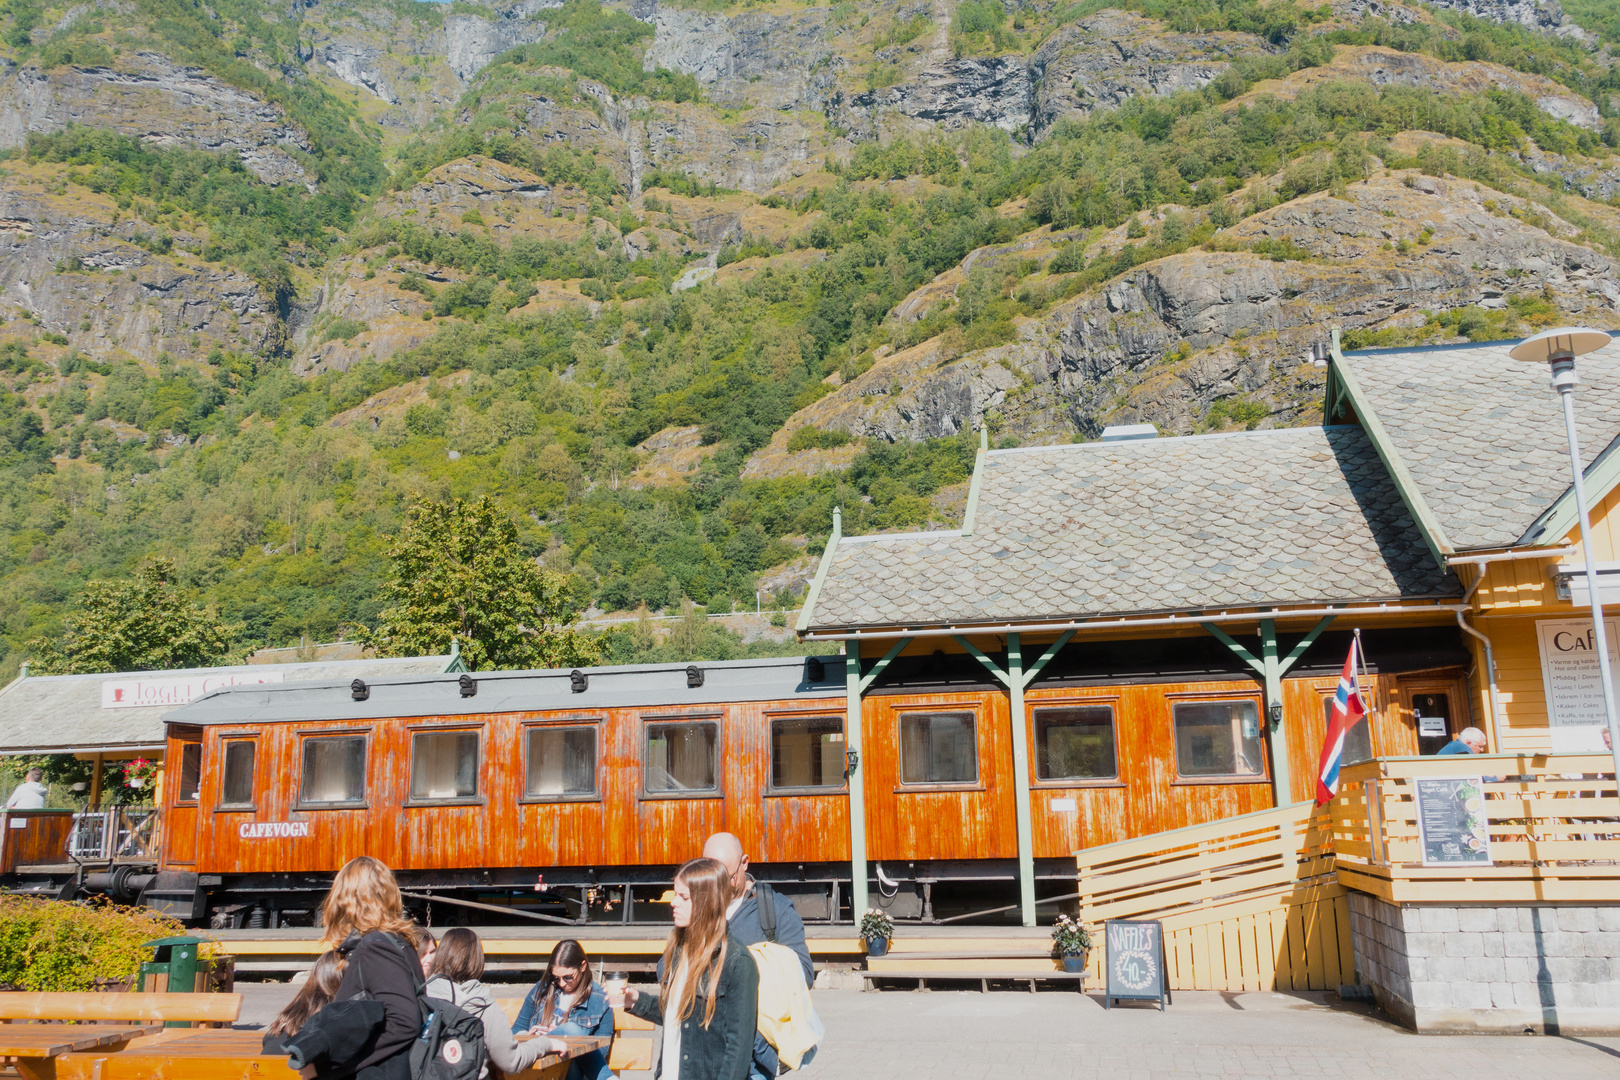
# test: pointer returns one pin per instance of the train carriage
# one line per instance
(574, 794)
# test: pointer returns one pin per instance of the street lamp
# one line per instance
(1559, 348)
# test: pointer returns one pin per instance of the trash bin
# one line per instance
(174, 969)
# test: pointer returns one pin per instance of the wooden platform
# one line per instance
(517, 951)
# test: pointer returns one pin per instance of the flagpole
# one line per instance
(1368, 703)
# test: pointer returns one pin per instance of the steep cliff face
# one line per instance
(71, 263)
(148, 96)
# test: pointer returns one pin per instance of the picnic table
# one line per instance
(231, 1054)
(36, 1048)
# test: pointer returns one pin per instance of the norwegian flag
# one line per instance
(1348, 710)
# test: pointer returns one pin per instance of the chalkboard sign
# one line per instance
(1134, 966)
(1451, 821)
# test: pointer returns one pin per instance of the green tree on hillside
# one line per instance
(146, 623)
(459, 571)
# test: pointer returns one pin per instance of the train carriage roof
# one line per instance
(643, 686)
(122, 711)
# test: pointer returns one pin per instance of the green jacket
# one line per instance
(723, 1050)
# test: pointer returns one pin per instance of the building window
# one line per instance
(190, 773)
(807, 752)
(236, 789)
(1075, 743)
(334, 770)
(938, 748)
(444, 765)
(562, 762)
(1357, 741)
(1218, 738)
(683, 758)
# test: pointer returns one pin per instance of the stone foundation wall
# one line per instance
(1491, 968)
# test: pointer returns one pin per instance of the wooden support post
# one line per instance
(1020, 749)
(854, 779)
(95, 782)
(1278, 735)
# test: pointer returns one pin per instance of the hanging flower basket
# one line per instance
(139, 773)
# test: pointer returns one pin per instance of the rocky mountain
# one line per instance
(675, 278)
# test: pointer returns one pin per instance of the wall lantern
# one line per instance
(1276, 716)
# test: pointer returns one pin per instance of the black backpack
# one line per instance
(451, 1045)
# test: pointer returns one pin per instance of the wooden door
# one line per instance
(1435, 702)
(183, 783)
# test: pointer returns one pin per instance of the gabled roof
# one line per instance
(1292, 516)
(622, 687)
(65, 713)
(1475, 439)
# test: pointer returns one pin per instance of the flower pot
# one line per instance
(1074, 963)
(877, 946)
(137, 782)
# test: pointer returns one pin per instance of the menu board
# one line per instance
(1452, 827)
(1133, 967)
(1570, 675)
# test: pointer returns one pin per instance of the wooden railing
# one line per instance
(30, 837)
(1247, 903)
(1553, 822)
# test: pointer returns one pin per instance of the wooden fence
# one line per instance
(1553, 821)
(1247, 903)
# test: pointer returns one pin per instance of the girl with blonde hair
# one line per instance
(708, 1000)
(364, 919)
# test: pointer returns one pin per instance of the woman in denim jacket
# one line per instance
(568, 1002)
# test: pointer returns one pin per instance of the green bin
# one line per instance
(174, 969)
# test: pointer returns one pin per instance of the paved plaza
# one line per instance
(967, 1036)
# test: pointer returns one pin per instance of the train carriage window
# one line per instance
(1218, 738)
(1075, 743)
(190, 773)
(562, 762)
(444, 765)
(334, 770)
(938, 748)
(236, 788)
(1357, 741)
(807, 752)
(683, 757)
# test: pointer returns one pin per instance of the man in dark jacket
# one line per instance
(743, 920)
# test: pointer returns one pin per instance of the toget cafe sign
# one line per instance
(146, 693)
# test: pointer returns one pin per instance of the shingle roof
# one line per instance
(1300, 515)
(62, 713)
(1481, 434)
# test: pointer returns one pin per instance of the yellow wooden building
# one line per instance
(1475, 443)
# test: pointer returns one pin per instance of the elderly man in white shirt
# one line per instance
(30, 794)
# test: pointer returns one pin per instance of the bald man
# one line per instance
(1470, 740)
(742, 918)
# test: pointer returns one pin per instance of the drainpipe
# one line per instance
(1479, 563)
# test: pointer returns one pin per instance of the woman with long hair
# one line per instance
(319, 989)
(708, 999)
(364, 919)
(567, 1001)
(457, 977)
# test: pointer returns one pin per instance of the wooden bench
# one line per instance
(206, 1009)
(237, 1055)
(35, 1049)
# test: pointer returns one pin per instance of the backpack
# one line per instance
(451, 1044)
(787, 1019)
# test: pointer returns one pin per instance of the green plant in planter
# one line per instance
(876, 925)
(1069, 937)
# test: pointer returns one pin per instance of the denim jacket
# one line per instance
(592, 1014)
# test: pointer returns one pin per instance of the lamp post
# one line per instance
(1559, 348)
